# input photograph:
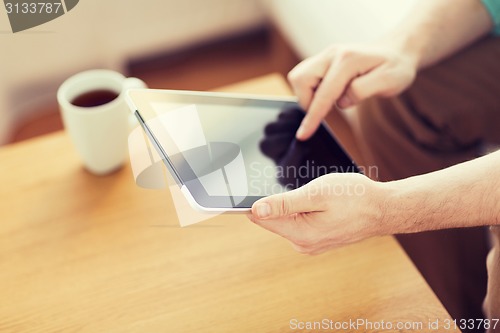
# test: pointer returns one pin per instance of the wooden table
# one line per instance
(98, 254)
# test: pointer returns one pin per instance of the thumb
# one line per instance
(284, 204)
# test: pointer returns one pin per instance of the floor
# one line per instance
(202, 67)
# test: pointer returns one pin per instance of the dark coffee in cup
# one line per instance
(94, 98)
(97, 118)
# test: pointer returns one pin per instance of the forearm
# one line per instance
(465, 195)
(436, 29)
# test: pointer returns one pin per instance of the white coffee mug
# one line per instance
(99, 133)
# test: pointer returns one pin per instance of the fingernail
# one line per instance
(300, 132)
(263, 210)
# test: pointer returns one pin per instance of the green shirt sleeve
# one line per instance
(493, 7)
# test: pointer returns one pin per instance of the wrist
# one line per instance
(402, 207)
(407, 46)
(383, 204)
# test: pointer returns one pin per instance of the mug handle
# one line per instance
(133, 83)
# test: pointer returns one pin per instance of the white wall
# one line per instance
(312, 25)
(99, 33)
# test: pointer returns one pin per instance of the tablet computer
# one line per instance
(226, 151)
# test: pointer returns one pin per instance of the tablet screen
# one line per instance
(231, 151)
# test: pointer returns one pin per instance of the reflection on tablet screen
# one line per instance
(230, 153)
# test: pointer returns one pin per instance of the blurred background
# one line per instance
(188, 44)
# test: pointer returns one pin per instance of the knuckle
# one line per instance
(314, 191)
(299, 72)
(306, 240)
(301, 249)
(299, 240)
(344, 54)
(294, 75)
(356, 92)
(316, 252)
(283, 205)
(332, 50)
(251, 217)
(300, 243)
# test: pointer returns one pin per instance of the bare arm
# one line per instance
(436, 29)
(465, 195)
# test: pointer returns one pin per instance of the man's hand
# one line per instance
(339, 209)
(330, 211)
(346, 75)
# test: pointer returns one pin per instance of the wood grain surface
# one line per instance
(81, 253)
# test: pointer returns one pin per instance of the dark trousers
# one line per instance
(448, 116)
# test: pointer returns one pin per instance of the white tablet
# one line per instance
(226, 151)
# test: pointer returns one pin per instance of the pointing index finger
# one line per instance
(327, 92)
